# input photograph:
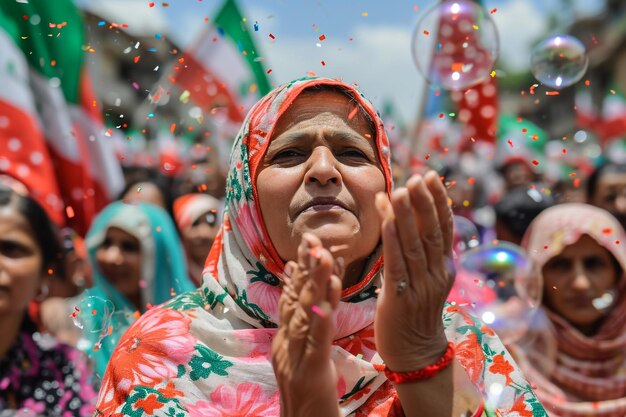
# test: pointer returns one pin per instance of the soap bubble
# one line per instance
(465, 236)
(455, 45)
(559, 61)
(93, 314)
(495, 283)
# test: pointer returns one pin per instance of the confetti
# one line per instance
(269, 71)
(317, 310)
(364, 14)
(322, 37)
(69, 211)
(552, 93)
(256, 26)
(535, 162)
(493, 10)
(323, 63)
(272, 37)
(426, 33)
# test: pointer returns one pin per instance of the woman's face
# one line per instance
(21, 268)
(119, 259)
(199, 237)
(582, 273)
(320, 175)
(610, 194)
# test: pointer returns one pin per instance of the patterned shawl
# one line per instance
(576, 375)
(207, 353)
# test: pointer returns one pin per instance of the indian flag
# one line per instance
(52, 91)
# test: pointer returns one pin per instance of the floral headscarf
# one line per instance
(163, 268)
(207, 353)
(576, 375)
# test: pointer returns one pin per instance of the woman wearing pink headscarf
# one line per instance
(574, 353)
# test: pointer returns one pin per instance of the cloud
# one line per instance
(519, 25)
(377, 59)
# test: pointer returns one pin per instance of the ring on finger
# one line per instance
(401, 286)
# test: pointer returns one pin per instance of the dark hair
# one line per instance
(162, 184)
(44, 230)
(605, 168)
(518, 207)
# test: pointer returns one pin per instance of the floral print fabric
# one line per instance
(40, 377)
(207, 352)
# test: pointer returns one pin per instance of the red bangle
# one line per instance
(424, 373)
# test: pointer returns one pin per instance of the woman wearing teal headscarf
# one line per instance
(138, 262)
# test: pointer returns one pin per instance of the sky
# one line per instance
(367, 42)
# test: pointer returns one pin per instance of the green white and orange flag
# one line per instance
(222, 69)
(51, 131)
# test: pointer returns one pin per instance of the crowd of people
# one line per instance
(318, 286)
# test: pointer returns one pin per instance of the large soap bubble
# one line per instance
(495, 284)
(559, 61)
(455, 45)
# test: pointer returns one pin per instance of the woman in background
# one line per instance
(138, 262)
(197, 219)
(574, 351)
(38, 375)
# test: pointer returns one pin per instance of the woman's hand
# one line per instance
(301, 349)
(417, 247)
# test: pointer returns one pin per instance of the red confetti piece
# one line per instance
(272, 36)
(69, 211)
(552, 93)
(493, 10)
(564, 150)
(269, 71)
(535, 162)
(576, 182)
(535, 137)
(94, 312)
(137, 58)
(441, 115)
(151, 4)
(510, 142)
(352, 113)
(172, 127)
(587, 83)
(427, 157)
(524, 130)
(617, 242)
(426, 33)
(607, 231)
(545, 247)
(323, 63)
(322, 37)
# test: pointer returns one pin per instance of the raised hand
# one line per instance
(417, 241)
(301, 349)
